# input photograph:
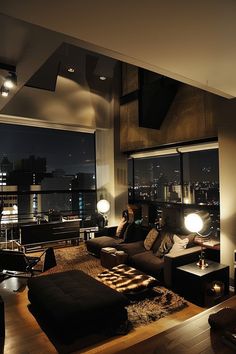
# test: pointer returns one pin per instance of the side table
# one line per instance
(203, 287)
(111, 257)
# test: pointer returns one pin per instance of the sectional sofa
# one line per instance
(160, 260)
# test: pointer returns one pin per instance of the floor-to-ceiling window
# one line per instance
(186, 176)
(46, 173)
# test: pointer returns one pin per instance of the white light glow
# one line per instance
(193, 222)
(4, 93)
(9, 84)
(103, 206)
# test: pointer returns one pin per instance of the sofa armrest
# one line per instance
(172, 261)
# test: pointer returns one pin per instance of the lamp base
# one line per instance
(202, 264)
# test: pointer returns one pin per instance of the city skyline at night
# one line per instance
(73, 152)
(159, 178)
(38, 160)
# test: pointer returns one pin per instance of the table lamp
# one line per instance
(103, 207)
(199, 222)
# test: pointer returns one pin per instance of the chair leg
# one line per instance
(49, 260)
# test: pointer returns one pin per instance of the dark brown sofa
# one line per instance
(162, 267)
(107, 237)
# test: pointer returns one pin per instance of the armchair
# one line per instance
(17, 264)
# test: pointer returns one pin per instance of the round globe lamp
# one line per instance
(103, 206)
(193, 222)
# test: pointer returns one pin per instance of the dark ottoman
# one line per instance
(95, 245)
(74, 304)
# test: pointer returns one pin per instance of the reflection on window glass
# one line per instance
(157, 179)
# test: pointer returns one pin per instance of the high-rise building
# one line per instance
(6, 165)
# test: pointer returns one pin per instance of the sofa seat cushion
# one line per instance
(131, 248)
(74, 301)
(96, 244)
(148, 263)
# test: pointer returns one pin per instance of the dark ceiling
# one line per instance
(87, 68)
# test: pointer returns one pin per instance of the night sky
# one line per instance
(71, 151)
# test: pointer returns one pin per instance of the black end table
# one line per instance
(203, 287)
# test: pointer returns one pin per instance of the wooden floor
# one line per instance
(24, 335)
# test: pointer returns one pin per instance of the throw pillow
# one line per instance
(133, 233)
(166, 244)
(179, 244)
(121, 228)
(190, 237)
(129, 234)
(150, 239)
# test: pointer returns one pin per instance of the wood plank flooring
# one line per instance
(24, 335)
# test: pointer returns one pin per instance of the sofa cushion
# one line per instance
(179, 244)
(157, 242)
(121, 228)
(135, 233)
(148, 263)
(96, 244)
(150, 239)
(166, 244)
(131, 248)
(190, 237)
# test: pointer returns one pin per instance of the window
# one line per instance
(201, 177)
(46, 169)
(186, 176)
(157, 179)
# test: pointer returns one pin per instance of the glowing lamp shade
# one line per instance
(103, 206)
(193, 222)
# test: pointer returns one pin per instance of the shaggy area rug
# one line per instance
(160, 303)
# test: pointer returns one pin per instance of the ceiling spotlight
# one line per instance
(10, 81)
(4, 91)
(102, 78)
(71, 70)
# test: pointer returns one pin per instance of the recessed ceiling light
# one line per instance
(71, 70)
(10, 81)
(103, 78)
(4, 91)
